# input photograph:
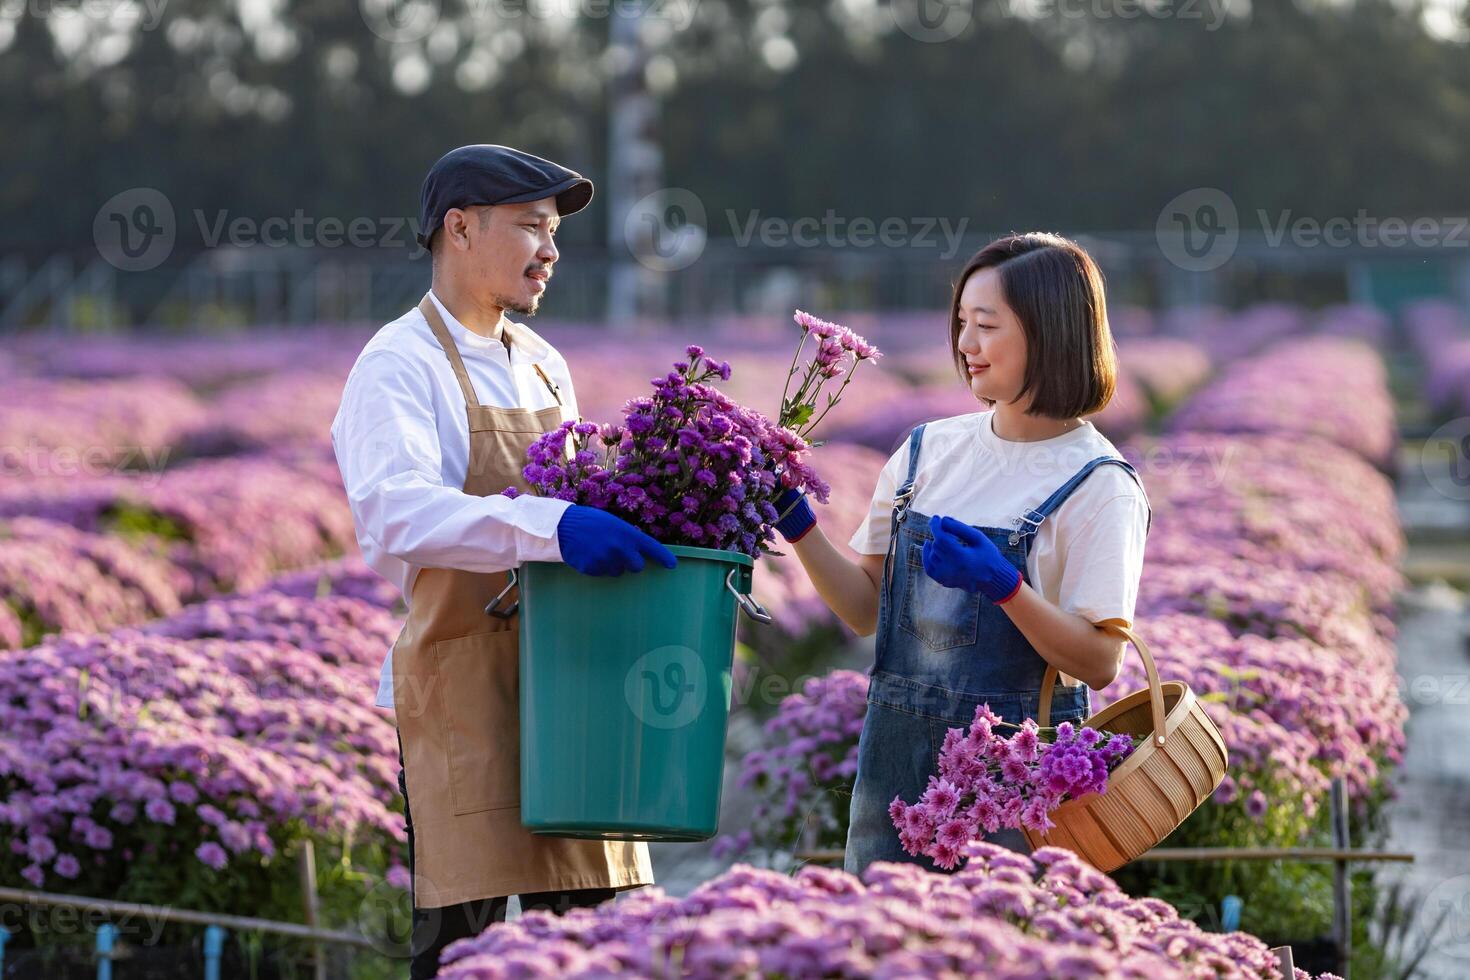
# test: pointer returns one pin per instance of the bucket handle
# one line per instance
(752, 608)
(493, 609)
(1117, 627)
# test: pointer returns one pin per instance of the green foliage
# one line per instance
(134, 521)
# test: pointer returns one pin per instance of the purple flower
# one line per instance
(159, 811)
(398, 877)
(212, 855)
(1256, 805)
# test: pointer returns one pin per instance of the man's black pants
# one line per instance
(433, 929)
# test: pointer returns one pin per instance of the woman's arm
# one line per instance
(849, 588)
(1066, 640)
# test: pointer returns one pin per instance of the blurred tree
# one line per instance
(1040, 113)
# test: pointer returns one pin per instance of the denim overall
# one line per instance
(942, 652)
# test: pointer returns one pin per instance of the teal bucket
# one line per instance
(625, 685)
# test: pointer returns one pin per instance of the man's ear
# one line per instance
(452, 226)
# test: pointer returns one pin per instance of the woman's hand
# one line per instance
(796, 515)
(849, 588)
(962, 557)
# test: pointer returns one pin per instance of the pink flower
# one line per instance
(941, 798)
(953, 833)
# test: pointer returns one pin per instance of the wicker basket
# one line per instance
(1156, 787)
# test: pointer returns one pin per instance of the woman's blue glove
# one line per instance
(595, 542)
(962, 557)
(796, 517)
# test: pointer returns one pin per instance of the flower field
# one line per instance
(191, 646)
(1003, 915)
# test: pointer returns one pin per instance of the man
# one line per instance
(435, 421)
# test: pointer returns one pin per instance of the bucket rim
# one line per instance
(711, 554)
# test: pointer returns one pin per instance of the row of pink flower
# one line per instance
(55, 577)
(237, 723)
(204, 362)
(1005, 915)
(1318, 388)
(1277, 501)
(1439, 331)
(106, 551)
(63, 428)
(1230, 335)
(68, 428)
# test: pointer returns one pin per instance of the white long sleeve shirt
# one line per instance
(402, 443)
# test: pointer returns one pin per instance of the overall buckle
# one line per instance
(1030, 525)
(901, 501)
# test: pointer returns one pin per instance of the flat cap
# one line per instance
(486, 173)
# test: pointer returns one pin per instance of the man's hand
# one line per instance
(595, 542)
(962, 557)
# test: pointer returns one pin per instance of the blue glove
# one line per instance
(796, 517)
(961, 557)
(595, 542)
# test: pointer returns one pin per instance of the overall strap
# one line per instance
(901, 500)
(451, 350)
(906, 491)
(1031, 520)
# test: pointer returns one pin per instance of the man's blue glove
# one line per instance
(796, 517)
(962, 557)
(595, 542)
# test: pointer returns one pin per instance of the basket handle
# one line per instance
(1118, 627)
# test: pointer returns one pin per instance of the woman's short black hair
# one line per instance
(1056, 290)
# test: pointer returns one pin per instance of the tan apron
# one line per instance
(456, 689)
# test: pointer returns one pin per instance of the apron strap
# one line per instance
(441, 333)
(555, 391)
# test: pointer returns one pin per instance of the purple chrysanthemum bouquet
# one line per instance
(691, 467)
(997, 775)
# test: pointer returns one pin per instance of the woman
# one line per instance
(993, 551)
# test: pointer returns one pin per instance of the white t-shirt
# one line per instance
(403, 446)
(1086, 558)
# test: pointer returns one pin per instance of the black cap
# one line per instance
(485, 173)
